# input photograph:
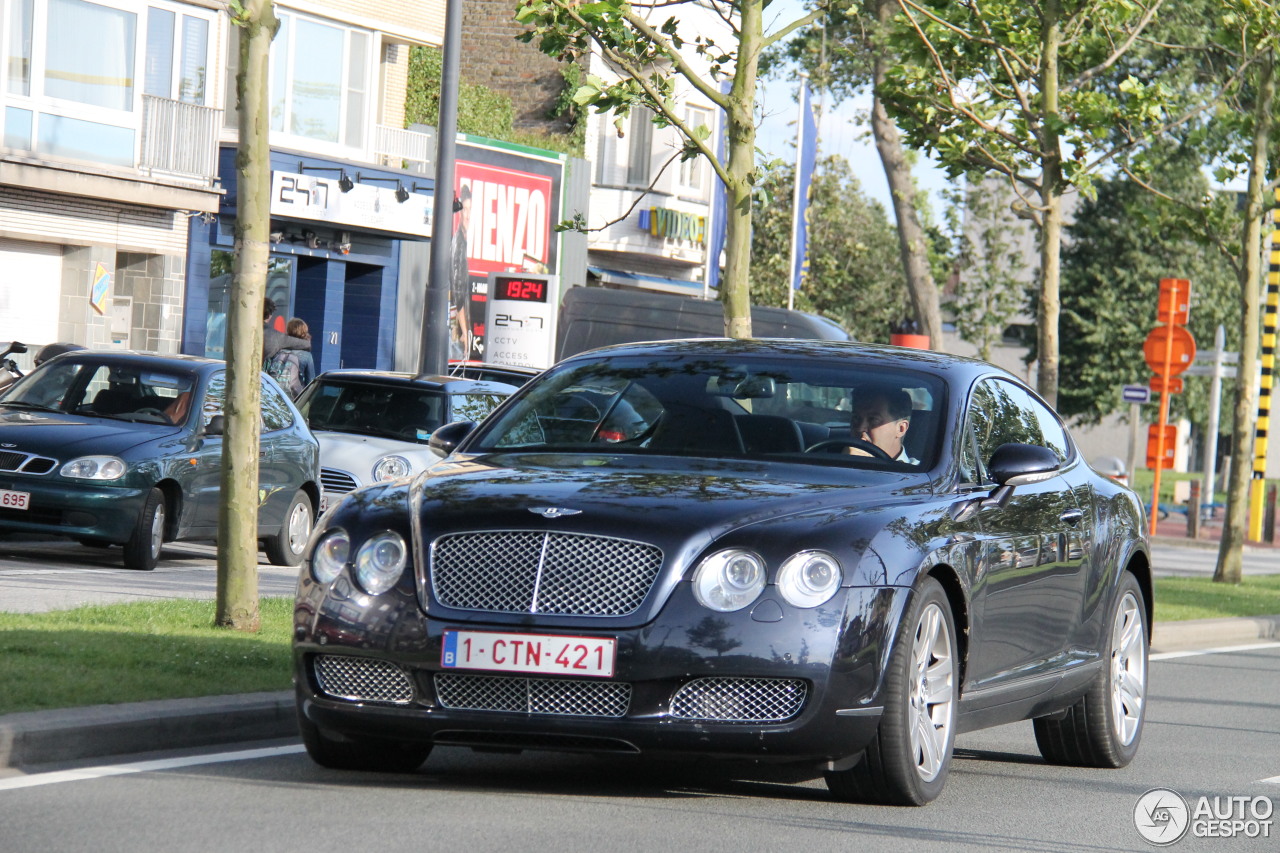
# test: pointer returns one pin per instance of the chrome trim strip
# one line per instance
(872, 711)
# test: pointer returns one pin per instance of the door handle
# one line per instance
(1072, 516)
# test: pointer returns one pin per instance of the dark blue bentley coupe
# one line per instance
(120, 448)
(825, 553)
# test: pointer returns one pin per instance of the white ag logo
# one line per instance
(1161, 816)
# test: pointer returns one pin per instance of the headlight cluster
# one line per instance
(732, 579)
(95, 468)
(391, 468)
(378, 564)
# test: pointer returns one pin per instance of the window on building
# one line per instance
(693, 171)
(320, 76)
(76, 72)
(640, 132)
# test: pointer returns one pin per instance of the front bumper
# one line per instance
(833, 655)
(84, 510)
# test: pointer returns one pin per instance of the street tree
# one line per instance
(843, 56)
(1117, 249)
(650, 45)
(1034, 92)
(854, 277)
(237, 594)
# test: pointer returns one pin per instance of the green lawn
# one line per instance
(105, 654)
(108, 654)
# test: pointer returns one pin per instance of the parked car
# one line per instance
(123, 448)
(507, 373)
(376, 425)
(684, 548)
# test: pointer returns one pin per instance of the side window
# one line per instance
(215, 397)
(1001, 412)
(472, 407)
(275, 409)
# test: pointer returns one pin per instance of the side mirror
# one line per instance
(215, 425)
(1021, 464)
(449, 436)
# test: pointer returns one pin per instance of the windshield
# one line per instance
(125, 392)
(390, 411)
(848, 412)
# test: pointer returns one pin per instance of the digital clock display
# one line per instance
(521, 289)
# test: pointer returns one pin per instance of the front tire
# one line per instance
(378, 756)
(285, 549)
(142, 551)
(906, 764)
(1103, 728)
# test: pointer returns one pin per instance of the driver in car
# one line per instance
(882, 416)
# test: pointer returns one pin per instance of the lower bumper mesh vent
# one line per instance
(739, 700)
(363, 679)
(533, 695)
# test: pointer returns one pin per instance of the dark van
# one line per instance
(593, 317)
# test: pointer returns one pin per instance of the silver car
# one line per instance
(376, 425)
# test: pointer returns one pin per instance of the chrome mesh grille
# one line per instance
(739, 700)
(333, 480)
(527, 571)
(533, 695)
(363, 679)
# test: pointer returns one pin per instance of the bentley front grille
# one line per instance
(533, 695)
(363, 679)
(333, 480)
(739, 700)
(526, 571)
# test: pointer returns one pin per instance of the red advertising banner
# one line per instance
(508, 218)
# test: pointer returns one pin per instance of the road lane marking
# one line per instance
(60, 776)
(1221, 650)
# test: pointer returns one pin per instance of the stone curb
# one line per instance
(76, 734)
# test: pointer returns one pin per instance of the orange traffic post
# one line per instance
(1168, 350)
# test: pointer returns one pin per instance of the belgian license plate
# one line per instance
(501, 652)
(14, 500)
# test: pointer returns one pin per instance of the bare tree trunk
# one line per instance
(1051, 198)
(237, 605)
(1230, 549)
(911, 238)
(741, 134)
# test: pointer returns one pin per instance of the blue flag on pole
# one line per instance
(806, 160)
(719, 204)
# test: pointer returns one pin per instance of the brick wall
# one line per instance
(492, 57)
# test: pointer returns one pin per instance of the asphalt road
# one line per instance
(1212, 730)
(56, 574)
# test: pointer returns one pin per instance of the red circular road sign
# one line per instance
(1181, 350)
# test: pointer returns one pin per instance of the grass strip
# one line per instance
(1183, 598)
(113, 653)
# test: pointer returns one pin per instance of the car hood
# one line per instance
(653, 498)
(61, 436)
(357, 453)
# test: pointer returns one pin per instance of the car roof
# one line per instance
(139, 358)
(490, 365)
(445, 384)
(955, 367)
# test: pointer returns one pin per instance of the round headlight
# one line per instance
(380, 561)
(809, 578)
(728, 580)
(391, 468)
(94, 468)
(330, 556)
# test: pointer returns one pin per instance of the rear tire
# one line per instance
(364, 754)
(1103, 728)
(285, 549)
(906, 764)
(142, 551)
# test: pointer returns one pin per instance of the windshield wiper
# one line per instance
(35, 407)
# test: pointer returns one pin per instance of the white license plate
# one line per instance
(544, 653)
(14, 500)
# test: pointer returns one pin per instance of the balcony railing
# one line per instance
(405, 149)
(179, 140)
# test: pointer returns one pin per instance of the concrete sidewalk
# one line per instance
(78, 734)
